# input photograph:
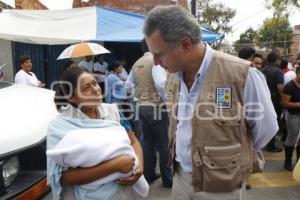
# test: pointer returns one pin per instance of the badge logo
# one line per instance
(223, 98)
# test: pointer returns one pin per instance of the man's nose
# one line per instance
(96, 89)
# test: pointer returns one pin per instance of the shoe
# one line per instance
(274, 149)
(169, 185)
(156, 176)
(288, 165)
(288, 158)
(298, 152)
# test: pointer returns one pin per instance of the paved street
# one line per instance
(274, 184)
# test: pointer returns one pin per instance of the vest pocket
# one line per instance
(221, 168)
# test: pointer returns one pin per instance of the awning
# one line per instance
(75, 25)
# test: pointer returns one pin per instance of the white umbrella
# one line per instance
(82, 49)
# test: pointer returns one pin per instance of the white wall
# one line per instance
(6, 57)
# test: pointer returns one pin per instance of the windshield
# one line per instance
(4, 85)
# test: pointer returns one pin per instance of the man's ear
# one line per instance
(186, 43)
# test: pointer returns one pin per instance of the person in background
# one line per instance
(25, 75)
(123, 75)
(291, 61)
(290, 75)
(284, 66)
(148, 82)
(206, 90)
(287, 77)
(275, 81)
(87, 64)
(100, 66)
(247, 53)
(257, 61)
(116, 92)
(70, 63)
(291, 101)
(100, 71)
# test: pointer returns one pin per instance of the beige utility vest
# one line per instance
(222, 149)
(146, 92)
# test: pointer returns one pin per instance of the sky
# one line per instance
(248, 13)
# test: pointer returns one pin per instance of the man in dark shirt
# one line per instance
(247, 53)
(291, 100)
(275, 81)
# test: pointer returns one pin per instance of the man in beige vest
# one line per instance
(148, 83)
(220, 109)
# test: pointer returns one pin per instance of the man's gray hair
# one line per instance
(174, 23)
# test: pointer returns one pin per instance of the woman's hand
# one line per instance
(138, 172)
(80, 176)
(124, 164)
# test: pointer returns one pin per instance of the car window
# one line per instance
(4, 85)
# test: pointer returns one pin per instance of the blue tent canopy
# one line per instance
(120, 26)
(75, 25)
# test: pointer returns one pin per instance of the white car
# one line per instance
(25, 112)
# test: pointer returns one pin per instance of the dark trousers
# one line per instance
(155, 126)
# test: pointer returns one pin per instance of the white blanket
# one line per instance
(89, 147)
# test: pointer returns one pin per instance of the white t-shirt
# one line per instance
(28, 79)
(290, 75)
(98, 67)
(87, 65)
(290, 66)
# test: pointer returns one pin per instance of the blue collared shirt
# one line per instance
(256, 91)
(115, 90)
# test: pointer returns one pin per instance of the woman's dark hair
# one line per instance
(112, 66)
(68, 63)
(66, 85)
(23, 59)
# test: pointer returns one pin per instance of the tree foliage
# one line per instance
(248, 37)
(215, 16)
(275, 32)
(281, 28)
(281, 6)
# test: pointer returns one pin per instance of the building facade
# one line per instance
(7, 47)
(30, 5)
(137, 6)
(295, 47)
